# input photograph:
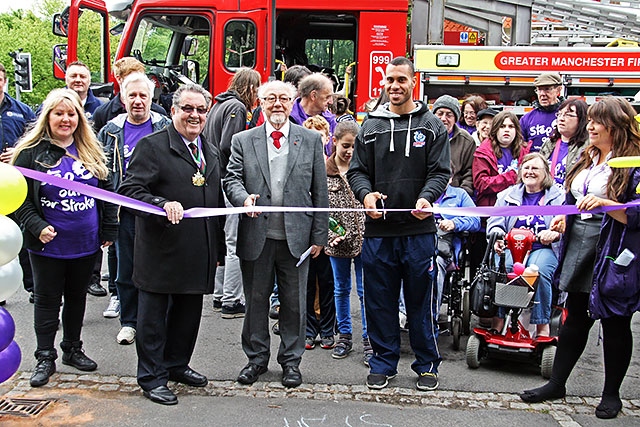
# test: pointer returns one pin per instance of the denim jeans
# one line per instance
(547, 262)
(127, 292)
(342, 293)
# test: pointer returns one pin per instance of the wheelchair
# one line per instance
(455, 291)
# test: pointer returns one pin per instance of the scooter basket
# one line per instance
(515, 294)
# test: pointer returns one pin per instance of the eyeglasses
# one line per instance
(560, 115)
(271, 99)
(545, 89)
(189, 109)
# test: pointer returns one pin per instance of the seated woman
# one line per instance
(534, 187)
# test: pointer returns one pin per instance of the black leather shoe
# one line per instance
(44, 369)
(189, 377)
(96, 290)
(291, 376)
(161, 395)
(78, 360)
(250, 373)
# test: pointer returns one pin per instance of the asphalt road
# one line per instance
(219, 356)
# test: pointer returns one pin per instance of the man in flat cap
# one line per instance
(537, 125)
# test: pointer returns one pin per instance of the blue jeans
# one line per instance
(127, 292)
(342, 293)
(388, 263)
(547, 262)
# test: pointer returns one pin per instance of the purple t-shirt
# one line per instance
(559, 169)
(74, 216)
(506, 160)
(132, 134)
(534, 223)
(537, 126)
(470, 129)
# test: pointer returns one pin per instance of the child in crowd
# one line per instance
(322, 320)
(344, 248)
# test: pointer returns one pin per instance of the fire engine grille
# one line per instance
(23, 407)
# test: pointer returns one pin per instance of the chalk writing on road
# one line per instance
(362, 420)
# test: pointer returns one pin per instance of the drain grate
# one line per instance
(23, 407)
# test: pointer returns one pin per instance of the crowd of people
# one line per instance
(301, 147)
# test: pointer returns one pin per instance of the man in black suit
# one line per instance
(175, 258)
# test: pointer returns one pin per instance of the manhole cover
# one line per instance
(23, 407)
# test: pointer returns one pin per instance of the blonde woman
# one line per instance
(63, 229)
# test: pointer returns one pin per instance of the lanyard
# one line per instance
(554, 158)
(598, 170)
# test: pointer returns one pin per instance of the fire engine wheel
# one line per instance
(466, 312)
(546, 364)
(456, 331)
(473, 352)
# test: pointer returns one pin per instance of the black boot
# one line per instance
(45, 367)
(73, 355)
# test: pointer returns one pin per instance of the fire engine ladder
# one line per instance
(581, 18)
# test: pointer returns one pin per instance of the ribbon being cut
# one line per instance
(127, 202)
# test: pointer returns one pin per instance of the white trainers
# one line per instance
(126, 335)
(113, 309)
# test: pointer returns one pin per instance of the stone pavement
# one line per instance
(562, 411)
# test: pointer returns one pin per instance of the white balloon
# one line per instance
(10, 279)
(10, 240)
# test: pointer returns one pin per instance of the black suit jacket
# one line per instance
(177, 258)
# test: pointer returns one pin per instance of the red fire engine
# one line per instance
(205, 41)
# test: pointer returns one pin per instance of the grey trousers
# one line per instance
(258, 278)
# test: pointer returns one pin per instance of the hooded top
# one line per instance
(405, 157)
(227, 117)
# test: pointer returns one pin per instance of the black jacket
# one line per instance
(227, 117)
(405, 157)
(177, 258)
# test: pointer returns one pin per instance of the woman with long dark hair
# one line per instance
(569, 138)
(602, 279)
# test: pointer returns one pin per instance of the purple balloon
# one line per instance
(9, 361)
(7, 328)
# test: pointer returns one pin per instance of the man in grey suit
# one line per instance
(277, 164)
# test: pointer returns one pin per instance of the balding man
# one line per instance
(315, 96)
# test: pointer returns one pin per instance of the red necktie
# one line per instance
(276, 135)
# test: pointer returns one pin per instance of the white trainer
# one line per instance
(126, 335)
(113, 309)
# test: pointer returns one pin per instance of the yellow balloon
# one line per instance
(624, 162)
(13, 189)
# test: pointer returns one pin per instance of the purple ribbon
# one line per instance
(483, 211)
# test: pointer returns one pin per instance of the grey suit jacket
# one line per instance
(305, 186)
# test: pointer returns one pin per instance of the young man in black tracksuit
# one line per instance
(401, 160)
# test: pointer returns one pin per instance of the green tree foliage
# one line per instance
(24, 29)
(31, 31)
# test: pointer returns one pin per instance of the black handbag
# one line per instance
(483, 287)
